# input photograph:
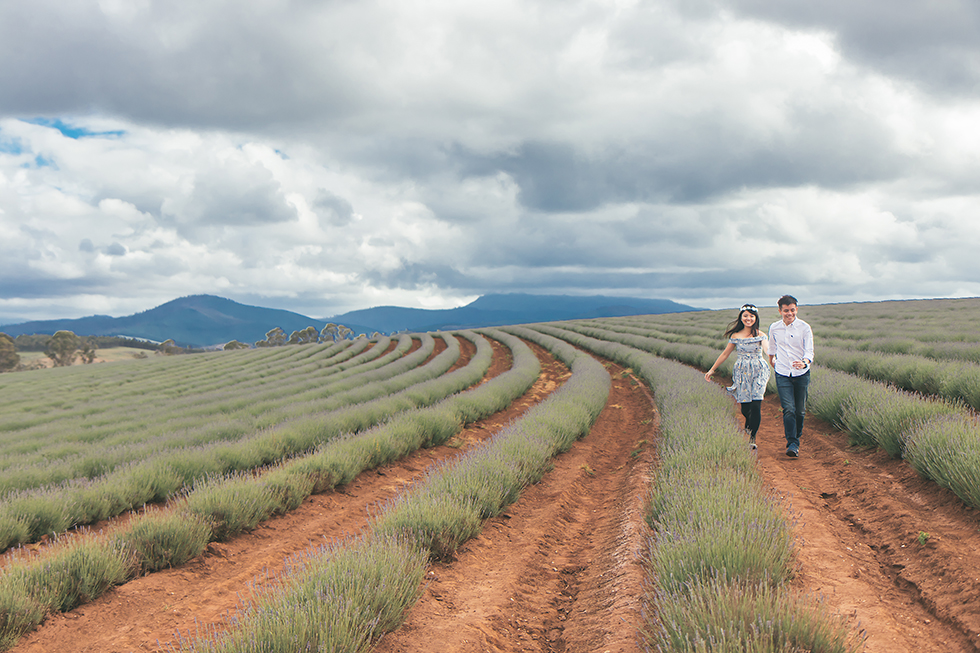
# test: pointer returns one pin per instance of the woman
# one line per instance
(750, 374)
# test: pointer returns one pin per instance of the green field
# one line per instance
(231, 438)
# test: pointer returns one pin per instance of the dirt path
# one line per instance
(146, 613)
(559, 570)
(860, 515)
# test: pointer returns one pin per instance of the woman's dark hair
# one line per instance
(737, 325)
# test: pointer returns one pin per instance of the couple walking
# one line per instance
(789, 347)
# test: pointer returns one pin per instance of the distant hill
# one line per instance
(195, 321)
(205, 320)
(504, 309)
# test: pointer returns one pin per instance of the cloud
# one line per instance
(332, 156)
(333, 208)
(232, 193)
(934, 45)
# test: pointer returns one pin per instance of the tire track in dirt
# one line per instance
(147, 613)
(560, 570)
(859, 518)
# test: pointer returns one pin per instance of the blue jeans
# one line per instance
(792, 396)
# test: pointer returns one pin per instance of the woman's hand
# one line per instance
(707, 375)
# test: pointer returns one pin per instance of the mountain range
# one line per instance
(207, 320)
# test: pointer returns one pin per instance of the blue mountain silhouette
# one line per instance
(206, 320)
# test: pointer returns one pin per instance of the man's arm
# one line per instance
(773, 346)
(808, 346)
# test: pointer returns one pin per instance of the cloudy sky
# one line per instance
(328, 155)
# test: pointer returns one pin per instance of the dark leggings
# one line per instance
(752, 411)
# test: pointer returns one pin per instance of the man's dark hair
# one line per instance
(786, 300)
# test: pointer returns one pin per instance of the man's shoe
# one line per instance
(792, 453)
(752, 442)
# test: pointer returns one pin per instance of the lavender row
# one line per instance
(341, 597)
(217, 508)
(26, 516)
(721, 551)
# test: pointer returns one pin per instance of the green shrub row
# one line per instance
(936, 328)
(430, 520)
(721, 553)
(217, 508)
(337, 600)
(113, 434)
(957, 381)
(874, 414)
(136, 429)
(946, 450)
(81, 392)
(940, 440)
(932, 432)
(448, 508)
(26, 516)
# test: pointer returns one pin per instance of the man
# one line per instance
(791, 354)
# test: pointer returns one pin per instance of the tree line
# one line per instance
(39, 342)
(276, 337)
(64, 348)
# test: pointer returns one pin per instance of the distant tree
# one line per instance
(304, 337)
(62, 347)
(262, 343)
(276, 337)
(105, 342)
(169, 348)
(88, 351)
(335, 332)
(234, 344)
(9, 359)
(32, 342)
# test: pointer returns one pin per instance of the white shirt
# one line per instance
(788, 343)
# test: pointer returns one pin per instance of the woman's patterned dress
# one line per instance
(750, 374)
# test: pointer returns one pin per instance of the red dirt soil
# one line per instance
(860, 518)
(560, 570)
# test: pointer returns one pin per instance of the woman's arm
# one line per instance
(721, 359)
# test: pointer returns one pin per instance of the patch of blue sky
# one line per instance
(72, 131)
(10, 145)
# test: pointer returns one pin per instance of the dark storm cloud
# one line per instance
(413, 275)
(207, 64)
(36, 285)
(691, 284)
(935, 44)
(235, 195)
(335, 209)
(833, 150)
(115, 249)
(312, 304)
